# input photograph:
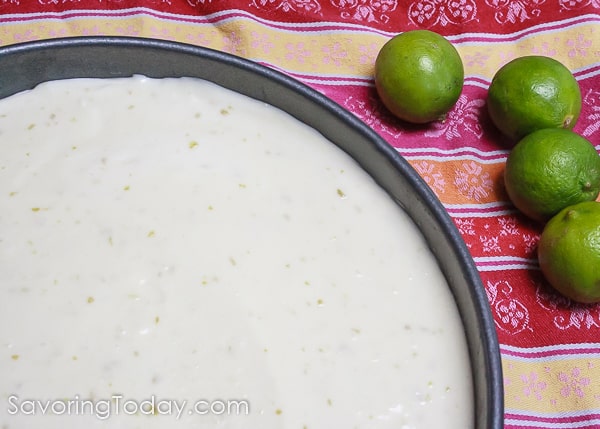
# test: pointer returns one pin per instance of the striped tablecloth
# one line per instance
(550, 346)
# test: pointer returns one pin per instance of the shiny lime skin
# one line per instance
(531, 93)
(419, 76)
(549, 170)
(569, 252)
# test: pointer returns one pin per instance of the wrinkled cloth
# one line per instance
(550, 346)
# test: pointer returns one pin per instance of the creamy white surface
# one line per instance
(172, 238)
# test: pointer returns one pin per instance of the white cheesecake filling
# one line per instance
(180, 248)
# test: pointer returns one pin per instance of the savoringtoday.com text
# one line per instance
(119, 405)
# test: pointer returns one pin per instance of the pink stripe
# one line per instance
(506, 262)
(558, 419)
(550, 353)
(528, 32)
(112, 13)
(594, 70)
(305, 77)
(273, 24)
(66, 15)
(328, 26)
(473, 209)
(476, 79)
(211, 19)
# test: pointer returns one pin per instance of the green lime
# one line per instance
(419, 76)
(569, 252)
(531, 93)
(549, 170)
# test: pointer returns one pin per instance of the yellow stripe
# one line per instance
(340, 53)
(557, 386)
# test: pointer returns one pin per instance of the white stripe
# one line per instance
(484, 85)
(455, 158)
(488, 214)
(566, 23)
(478, 80)
(595, 71)
(504, 267)
(477, 207)
(484, 82)
(336, 82)
(551, 348)
(504, 259)
(575, 413)
(493, 263)
(458, 150)
(488, 210)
